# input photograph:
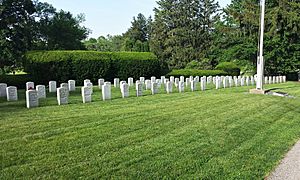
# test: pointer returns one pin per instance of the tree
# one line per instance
(182, 30)
(16, 24)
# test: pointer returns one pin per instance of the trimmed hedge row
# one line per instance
(195, 72)
(229, 67)
(18, 80)
(79, 65)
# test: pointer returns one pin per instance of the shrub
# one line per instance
(203, 64)
(195, 72)
(229, 67)
(16, 80)
(80, 65)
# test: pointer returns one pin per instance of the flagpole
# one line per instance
(260, 59)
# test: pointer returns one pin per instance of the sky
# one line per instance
(112, 17)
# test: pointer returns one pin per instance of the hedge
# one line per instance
(16, 80)
(79, 65)
(229, 67)
(195, 72)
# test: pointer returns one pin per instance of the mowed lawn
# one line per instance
(215, 134)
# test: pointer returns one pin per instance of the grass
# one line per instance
(215, 134)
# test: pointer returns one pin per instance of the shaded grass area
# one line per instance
(213, 134)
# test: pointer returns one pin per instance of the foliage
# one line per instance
(195, 72)
(105, 44)
(229, 67)
(79, 65)
(203, 64)
(18, 80)
(182, 30)
(16, 25)
(209, 134)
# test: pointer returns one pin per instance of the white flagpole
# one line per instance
(260, 60)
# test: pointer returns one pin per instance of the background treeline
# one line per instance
(190, 34)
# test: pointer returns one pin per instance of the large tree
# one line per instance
(182, 30)
(16, 24)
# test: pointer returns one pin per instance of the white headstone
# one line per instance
(209, 79)
(116, 82)
(218, 82)
(52, 86)
(3, 87)
(154, 88)
(130, 81)
(158, 81)
(266, 80)
(12, 93)
(230, 81)
(86, 81)
(162, 78)
(30, 86)
(90, 86)
(280, 79)
(274, 80)
(169, 87)
(270, 80)
(187, 82)
(252, 80)
(176, 82)
(122, 82)
(284, 79)
(71, 84)
(277, 79)
(172, 79)
(100, 83)
(203, 83)
(182, 78)
(193, 85)
(139, 89)
(41, 91)
(181, 86)
(153, 79)
(86, 94)
(142, 80)
(125, 90)
(106, 91)
(242, 81)
(247, 81)
(214, 80)
(148, 84)
(191, 78)
(65, 85)
(225, 82)
(32, 99)
(62, 95)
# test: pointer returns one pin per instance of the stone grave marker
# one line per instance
(3, 87)
(176, 82)
(181, 86)
(187, 82)
(106, 91)
(130, 81)
(169, 87)
(153, 79)
(162, 78)
(90, 86)
(100, 83)
(116, 82)
(139, 89)
(193, 85)
(32, 99)
(41, 91)
(86, 94)
(172, 79)
(52, 86)
(30, 86)
(62, 95)
(12, 93)
(182, 78)
(72, 85)
(154, 88)
(86, 81)
(203, 83)
(142, 80)
(148, 84)
(125, 90)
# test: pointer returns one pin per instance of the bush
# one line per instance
(229, 67)
(79, 65)
(203, 64)
(16, 80)
(195, 72)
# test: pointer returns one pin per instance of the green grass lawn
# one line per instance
(215, 134)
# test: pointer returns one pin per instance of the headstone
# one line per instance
(139, 89)
(197, 79)
(130, 81)
(236, 81)
(154, 88)
(125, 90)
(3, 87)
(242, 80)
(214, 80)
(182, 78)
(230, 81)
(176, 82)
(86, 81)
(41, 91)
(277, 79)
(270, 80)
(252, 80)
(166, 80)
(209, 79)
(62, 95)
(116, 82)
(90, 86)
(247, 81)
(280, 79)
(12, 93)
(30, 86)
(158, 81)
(266, 80)
(225, 82)
(187, 82)
(284, 79)
(32, 99)
(52, 86)
(106, 91)
(218, 82)
(169, 87)
(100, 83)
(274, 79)
(162, 78)
(142, 80)
(193, 85)
(72, 86)
(148, 84)
(203, 84)
(181, 86)
(172, 79)
(153, 79)
(65, 85)
(122, 82)
(86, 94)
(191, 78)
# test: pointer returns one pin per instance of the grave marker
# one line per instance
(71, 84)
(3, 87)
(139, 89)
(30, 86)
(52, 86)
(125, 90)
(32, 99)
(86, 94)
(106, 91)
(62, 95)
(12, 93)
(41, 91)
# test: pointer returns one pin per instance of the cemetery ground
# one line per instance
(212, 134)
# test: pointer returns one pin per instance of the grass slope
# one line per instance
(215, 134)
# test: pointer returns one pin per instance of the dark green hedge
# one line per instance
(79, 65)
(16, 80)
(195, 72)
(229, 67)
